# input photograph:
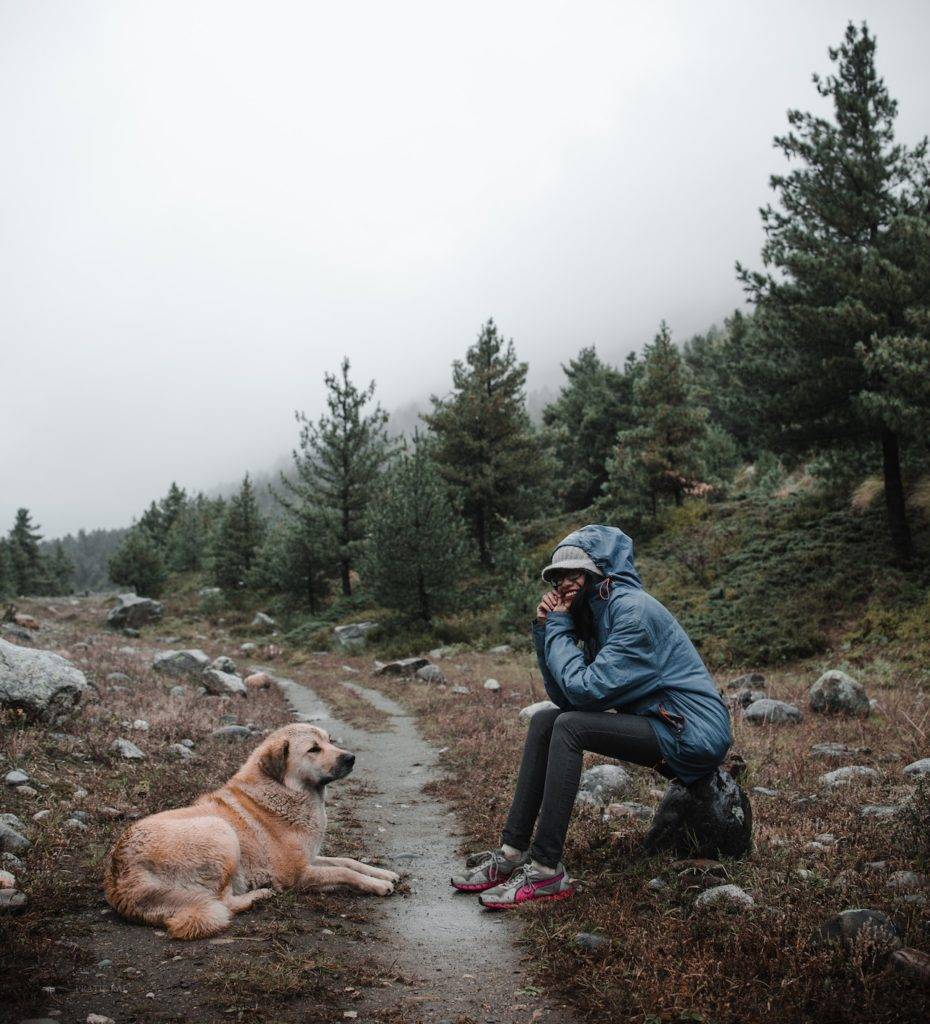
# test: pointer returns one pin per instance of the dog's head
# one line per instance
(302, 757)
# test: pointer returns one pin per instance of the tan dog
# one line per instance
(191, 869)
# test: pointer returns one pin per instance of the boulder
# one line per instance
(7, 880)
(42, 685)
(912, 962)
(133, 611)
(748, 681)
(590, 941)
(771, 712)
(248, 648)
(16, 778)
(906, 881)
(354, 634)
(401, 667)
(223, 664)
(12, 841)
(180, 752)
(223, 683)
(710, 818)
(838, 751)
(541, 705)
(491, 684)
(851, 773)
(921, 767)
(857, 924)
(604, 784)
(232, 732)
(263, 621)
(11, 900)
(127, 750)
(17, 632)
(837, 693)
(729, 897)
(743, 698)
(181, 663)
(431, 674)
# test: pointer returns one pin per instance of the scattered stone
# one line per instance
(130, 632)
(348, 669)
(460, 689)
(353, 635)
(921, 767)
(771, 712)
(75, 825)
(258, 681)
(12, 820)
(401, 667)
(743, 698)
(851, 773)
(80, 816)
(628, 809)
(140, 725)
(12, 862)
(181, 752)
(224, 664)
(906, 881)
(118, 677)
(492, 684)
(232, 732)
(710, 818)
(541, 705)
(431, 674)
(26, 621)
(837, 693)
(133, 611)
(188, 743)
(178, 691)
(750, 680)
(857, 923)
(11, 900)
(604, 784)
(16, 778)
(17, 632)
(44, 686)
(501, 649)
(590, 941)
(912, 962)
(805, 874)
(12, 841)
(880, 810)
(656, 884)
(219, 683)
(7, 880)
(41, 815)
(838, 751)
(248, 648)
(26, 791)
(127, 750)
(263, 620)
(730, 897)
(98, 1018)
(764, 791)
(181, 663)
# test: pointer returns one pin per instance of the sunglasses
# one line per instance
(559, 579)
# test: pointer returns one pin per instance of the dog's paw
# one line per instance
(263, 894)
(383, 888)
(392, 876)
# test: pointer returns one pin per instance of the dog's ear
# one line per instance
(274, 761)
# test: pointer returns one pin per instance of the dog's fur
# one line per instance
(189, 870)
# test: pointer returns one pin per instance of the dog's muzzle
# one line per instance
(344, 765)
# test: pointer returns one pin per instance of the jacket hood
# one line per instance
(610, 549)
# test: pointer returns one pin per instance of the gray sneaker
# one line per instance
(485, 870)
(527, 885)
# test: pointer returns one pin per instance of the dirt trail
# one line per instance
(464, 962)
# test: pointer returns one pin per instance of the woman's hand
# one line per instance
(551, 602)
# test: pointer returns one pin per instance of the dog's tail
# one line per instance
(199, 919)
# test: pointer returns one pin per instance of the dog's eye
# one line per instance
(314, 750)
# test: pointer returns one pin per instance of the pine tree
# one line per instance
(662, 454)
(337, 468)
(486, 448)
(294, 562)
(61, 570)
(188, 537)
(595, 403)
(416, 541)
(137, 563)
(7, 581)
(237, 539)
(817, 364)
(23, 542)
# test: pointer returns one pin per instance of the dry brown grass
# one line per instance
(664, 961)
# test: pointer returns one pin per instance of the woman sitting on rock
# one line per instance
(603, 644)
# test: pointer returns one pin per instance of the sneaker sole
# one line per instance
(563, 895)
(479, 887)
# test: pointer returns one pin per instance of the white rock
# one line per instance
(7, 880)
(921, 767)
(224, 664)
(771, 712)
(541, 705)
(731, 896)
(16, 778)
(80, 794)
(261, 619)
(42, 685)
(219, 683)
(850, 773)
(181, 663)
(836, 692)
(98, 1018)
(180, 751)
(431, 674)
(604, 784)
(492, 684)
(41, 815)
(127, 749)
(501, 649)
(140, 725)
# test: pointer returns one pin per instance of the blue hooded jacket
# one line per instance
(640, 662)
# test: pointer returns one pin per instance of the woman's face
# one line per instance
(569, 583)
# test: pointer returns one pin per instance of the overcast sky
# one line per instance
(204, 205)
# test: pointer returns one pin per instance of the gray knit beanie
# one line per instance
(569, 557)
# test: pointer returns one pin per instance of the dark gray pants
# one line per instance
(551, 769)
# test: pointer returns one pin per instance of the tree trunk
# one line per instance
(894, 496)
(481, 530)
(346, 581)
(422, 597)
